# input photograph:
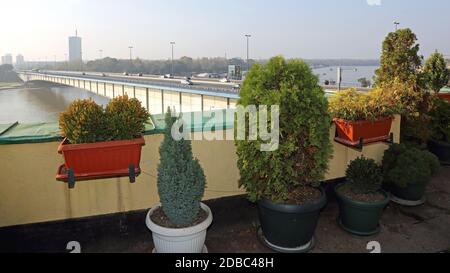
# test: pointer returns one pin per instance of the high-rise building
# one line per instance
(75, 48)
(7, 59)
(20, 60)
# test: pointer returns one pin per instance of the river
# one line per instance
(40, 103)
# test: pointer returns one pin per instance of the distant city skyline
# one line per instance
(309, 29)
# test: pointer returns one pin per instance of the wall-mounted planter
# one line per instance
(353, 133)
(445, 96)
(100, 160)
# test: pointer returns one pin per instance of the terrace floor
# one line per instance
(424, 229)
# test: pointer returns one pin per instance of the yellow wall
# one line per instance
(29, 192)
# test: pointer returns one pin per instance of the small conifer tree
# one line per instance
(181, 181)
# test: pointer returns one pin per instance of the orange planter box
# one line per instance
(445, 96)
(351, 132)
(100, 160)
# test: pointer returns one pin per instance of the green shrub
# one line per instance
(403, 165)
(127, 118)
(352, 105)
(435, 72)
(84, 121)
(364, 176)
(181, 181)
(304, 149)
(440, 120)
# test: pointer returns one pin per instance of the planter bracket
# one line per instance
(132, 173)
(363, 142)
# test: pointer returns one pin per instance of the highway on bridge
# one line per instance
(198, 84)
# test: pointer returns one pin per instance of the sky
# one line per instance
(309, 29)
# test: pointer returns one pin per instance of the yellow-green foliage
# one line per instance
(354, 106)
(84, 122)
(127, 118)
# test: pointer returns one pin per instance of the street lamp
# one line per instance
(396, 25)
(248, 51)
(172, 44)
(131, 56)
(339, 75)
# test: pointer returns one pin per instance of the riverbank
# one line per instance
(10, 85)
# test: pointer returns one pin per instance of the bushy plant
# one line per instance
(181, 181)
(352, 105)
(400, 58)
(440, 120)
(84, 122)
(436, 73)
(364, 176)
(304, 147)
(126, 117)
(403, 165)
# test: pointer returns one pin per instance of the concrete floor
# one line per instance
(424, 229)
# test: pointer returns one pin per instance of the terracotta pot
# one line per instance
(350, 132)
(101, 159)
(445, 96)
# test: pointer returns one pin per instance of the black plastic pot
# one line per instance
(413, 192)
(360, 218)
(441, 150)
(290, 228)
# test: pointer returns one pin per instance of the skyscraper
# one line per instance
(7, 59)
(20, 61)
(75, 48)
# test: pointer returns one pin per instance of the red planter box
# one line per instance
(351, 132)
(445, 96)
(100, 160)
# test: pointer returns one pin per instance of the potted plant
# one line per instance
(180, 222)
(285, 181)
(407, 171)
(436, 75)
(361, 199)
(101, 143)
(439, 143)
(360, 116)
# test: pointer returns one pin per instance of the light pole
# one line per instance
(339, 75)
(248, 51)
(396, 25)
(172, 44)
(131, 52)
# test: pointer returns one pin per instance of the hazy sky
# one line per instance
(295, 28)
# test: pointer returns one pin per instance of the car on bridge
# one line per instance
(186, 82)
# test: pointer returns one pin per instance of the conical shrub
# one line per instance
(181, 181)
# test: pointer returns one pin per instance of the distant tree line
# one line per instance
(184, 66)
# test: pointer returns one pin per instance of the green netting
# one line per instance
(47, 132)
(445, 90)
(31, 133)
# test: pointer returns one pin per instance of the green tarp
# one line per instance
(47, 132)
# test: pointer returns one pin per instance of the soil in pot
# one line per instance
(161, 219)
(291, 227)
(360, 213)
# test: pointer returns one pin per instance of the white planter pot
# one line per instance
(182, 240)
